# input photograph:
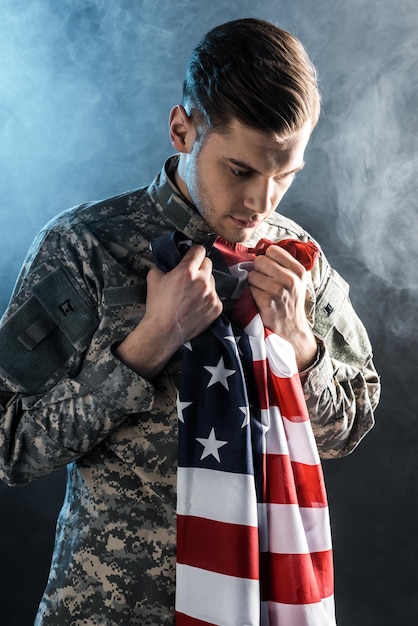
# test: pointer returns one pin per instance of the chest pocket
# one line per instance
(40, 341)
(337, 324)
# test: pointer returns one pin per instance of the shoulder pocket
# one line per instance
(39, 341)
(337, 324)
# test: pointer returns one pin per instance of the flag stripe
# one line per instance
(260, 374)
(282, 433)
(322, 613)
(216, 598)
(186, 620)
(294, 530)
(283, 392)
(216, 495)
(255, 330)
(281, 356)
(296, 578)
(293, 483)
(244, 315)
(219, 547)
(289, 397)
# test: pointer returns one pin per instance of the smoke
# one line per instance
(86, 87)
(77, 79)
(85, 91)
(359, 190)
(375, 160)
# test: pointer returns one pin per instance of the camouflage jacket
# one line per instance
(65, 399)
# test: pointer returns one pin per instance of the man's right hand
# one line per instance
(180, 305)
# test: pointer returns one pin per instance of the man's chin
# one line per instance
(234, 235)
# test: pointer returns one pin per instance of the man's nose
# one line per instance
(261, 196)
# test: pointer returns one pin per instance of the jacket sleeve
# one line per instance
(342, 388)
(62, 391)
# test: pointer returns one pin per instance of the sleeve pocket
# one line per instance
(338, 326)
(39, 341)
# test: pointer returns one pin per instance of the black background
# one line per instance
(85, 91)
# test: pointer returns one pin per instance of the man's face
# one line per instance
(236, 180)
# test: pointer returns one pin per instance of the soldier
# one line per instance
(90, 343)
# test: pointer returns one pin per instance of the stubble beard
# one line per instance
(201, 199)
(204, 206)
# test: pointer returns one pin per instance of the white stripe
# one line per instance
(301, 440)
(255, 332)
(220, 496)
(294, 530)
(241, 269)
(275, 436)
(320, 614)
(216, 598)
(280, 353)
(281, 356)
(286, 437)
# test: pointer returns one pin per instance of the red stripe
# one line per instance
(260, 375)
(230, 549)
(289, 482)
(297, 578)
(287, 393)
(245, 309)
(185, 620)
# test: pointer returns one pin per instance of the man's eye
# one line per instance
(240, 173)
(287, 178)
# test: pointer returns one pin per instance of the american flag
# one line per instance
(253, 535)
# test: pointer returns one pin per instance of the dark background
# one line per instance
(85, 91)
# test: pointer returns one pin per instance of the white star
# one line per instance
(246, 412)
(211, 446)
(219, 374)
(234, 342)
(180, 408)
(237, 340)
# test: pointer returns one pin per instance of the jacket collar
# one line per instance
(175, 209)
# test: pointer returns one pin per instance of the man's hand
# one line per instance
(180, 305)
(278, 286)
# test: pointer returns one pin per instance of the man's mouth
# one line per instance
(244, 223)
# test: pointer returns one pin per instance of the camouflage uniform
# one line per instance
(66, 399)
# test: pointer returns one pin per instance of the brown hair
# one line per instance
(255, 72)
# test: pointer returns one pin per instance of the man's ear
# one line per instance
(182, 129)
